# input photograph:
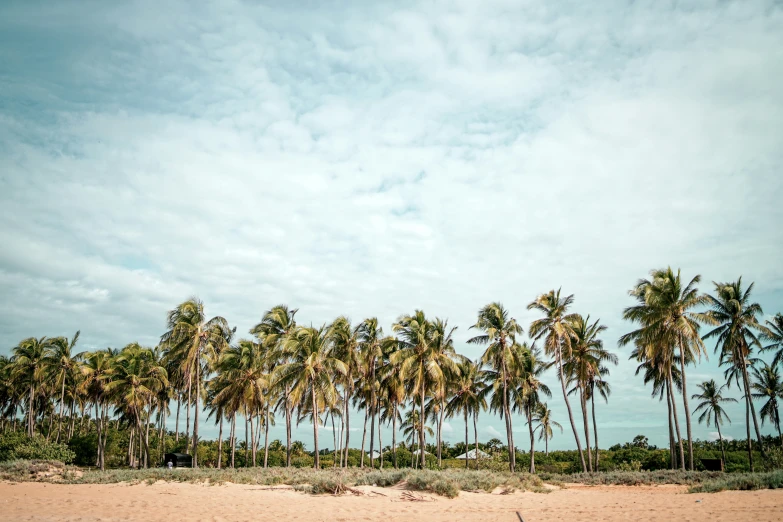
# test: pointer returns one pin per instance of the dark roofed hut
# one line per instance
(178, 460)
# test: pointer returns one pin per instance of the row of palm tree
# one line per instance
(318, 374)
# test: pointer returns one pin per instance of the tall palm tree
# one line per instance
(587, 361)
(370, 337)
(557, 331)
(469, 397)
(735, 319)
(392, 386)
(62, 365)
(667, 322)
(767, 386)
(29, 364)
(543, 418)
(310, 374)
(345, 345)
(499, 333)
(97, 372)
(194, 338)
(529, 389)
(598, 385)
(710, 406)
(275, 326)
(136, 379)
(413, 426)
(425, 355)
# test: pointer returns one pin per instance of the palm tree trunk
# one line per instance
(73, 419)
(31, 411)
(380, 445)
(440, 434)
(187, 412)
(62, 403)
(334, 437)
(247, 440)
(747, 426)
(595, 427)
(176, 426)
(672, 450)
(528, 414)
(421, 424)
(583, 403)
(507, 419)
(317, 464)
(720, 438)
(252, 440)
(685, 405)
(568, 407)
(266, 437)
(752, 409)
(364, 436)
(475, 436)
(676, 420)
(220, 441)
(394, 435)
(100, 434)
(232, 437)
(466, 438)
(347, 417)
(372, 434)
(198, 407)
(287, 429)
(130, 448)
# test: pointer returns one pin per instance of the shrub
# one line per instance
(17, 446)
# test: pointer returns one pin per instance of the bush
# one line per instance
(744, 481)
(17, 446)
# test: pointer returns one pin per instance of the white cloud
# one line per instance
(713, 435)
(446, 428)
(491, 432)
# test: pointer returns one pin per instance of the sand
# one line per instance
(179, 502)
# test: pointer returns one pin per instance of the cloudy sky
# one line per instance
(373, 159)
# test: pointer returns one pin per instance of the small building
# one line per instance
(178, 460)
(471, 455)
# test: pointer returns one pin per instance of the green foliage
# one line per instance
(744, 481)
(17, 446)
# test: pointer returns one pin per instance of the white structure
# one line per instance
(471, 455)
(425, 452)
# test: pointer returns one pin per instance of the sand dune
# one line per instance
(174, 502)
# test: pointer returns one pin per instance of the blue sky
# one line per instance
(369, 160)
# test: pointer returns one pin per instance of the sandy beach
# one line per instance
(194, 502)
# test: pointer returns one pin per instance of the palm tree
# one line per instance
(310, 374)
(97, 371)
(424, 356)
(600, 386)
(392, 390)
(412, 425)
(666, 321)
(710, 406)
(768, 387)
(136, 379)
(275, 326)
(29, 364)
(469, 397)
(63, 364)
(735, 318)
(774, 334)
(528, 388)
(193, 338)
(370, 337)
(587, 361)
(345, 343)
(556, 328)
(543, 417)
(499, 333)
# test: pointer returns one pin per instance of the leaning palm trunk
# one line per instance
(507, 419)
(752, 408)
(380, 446)
(232, 438)
(252, 439)
(372, 436)
(672, 451)
(31, 412)
(198, 407)
(334, 436)
(559, 356)
(176, 425)
(440, 434)
(747, 426)
(347, 417)
(187, 413)
(394, 435)
(583, 403)
(676, 421)
(685, 405)
(720, 438)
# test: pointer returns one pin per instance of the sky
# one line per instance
(374, 158)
